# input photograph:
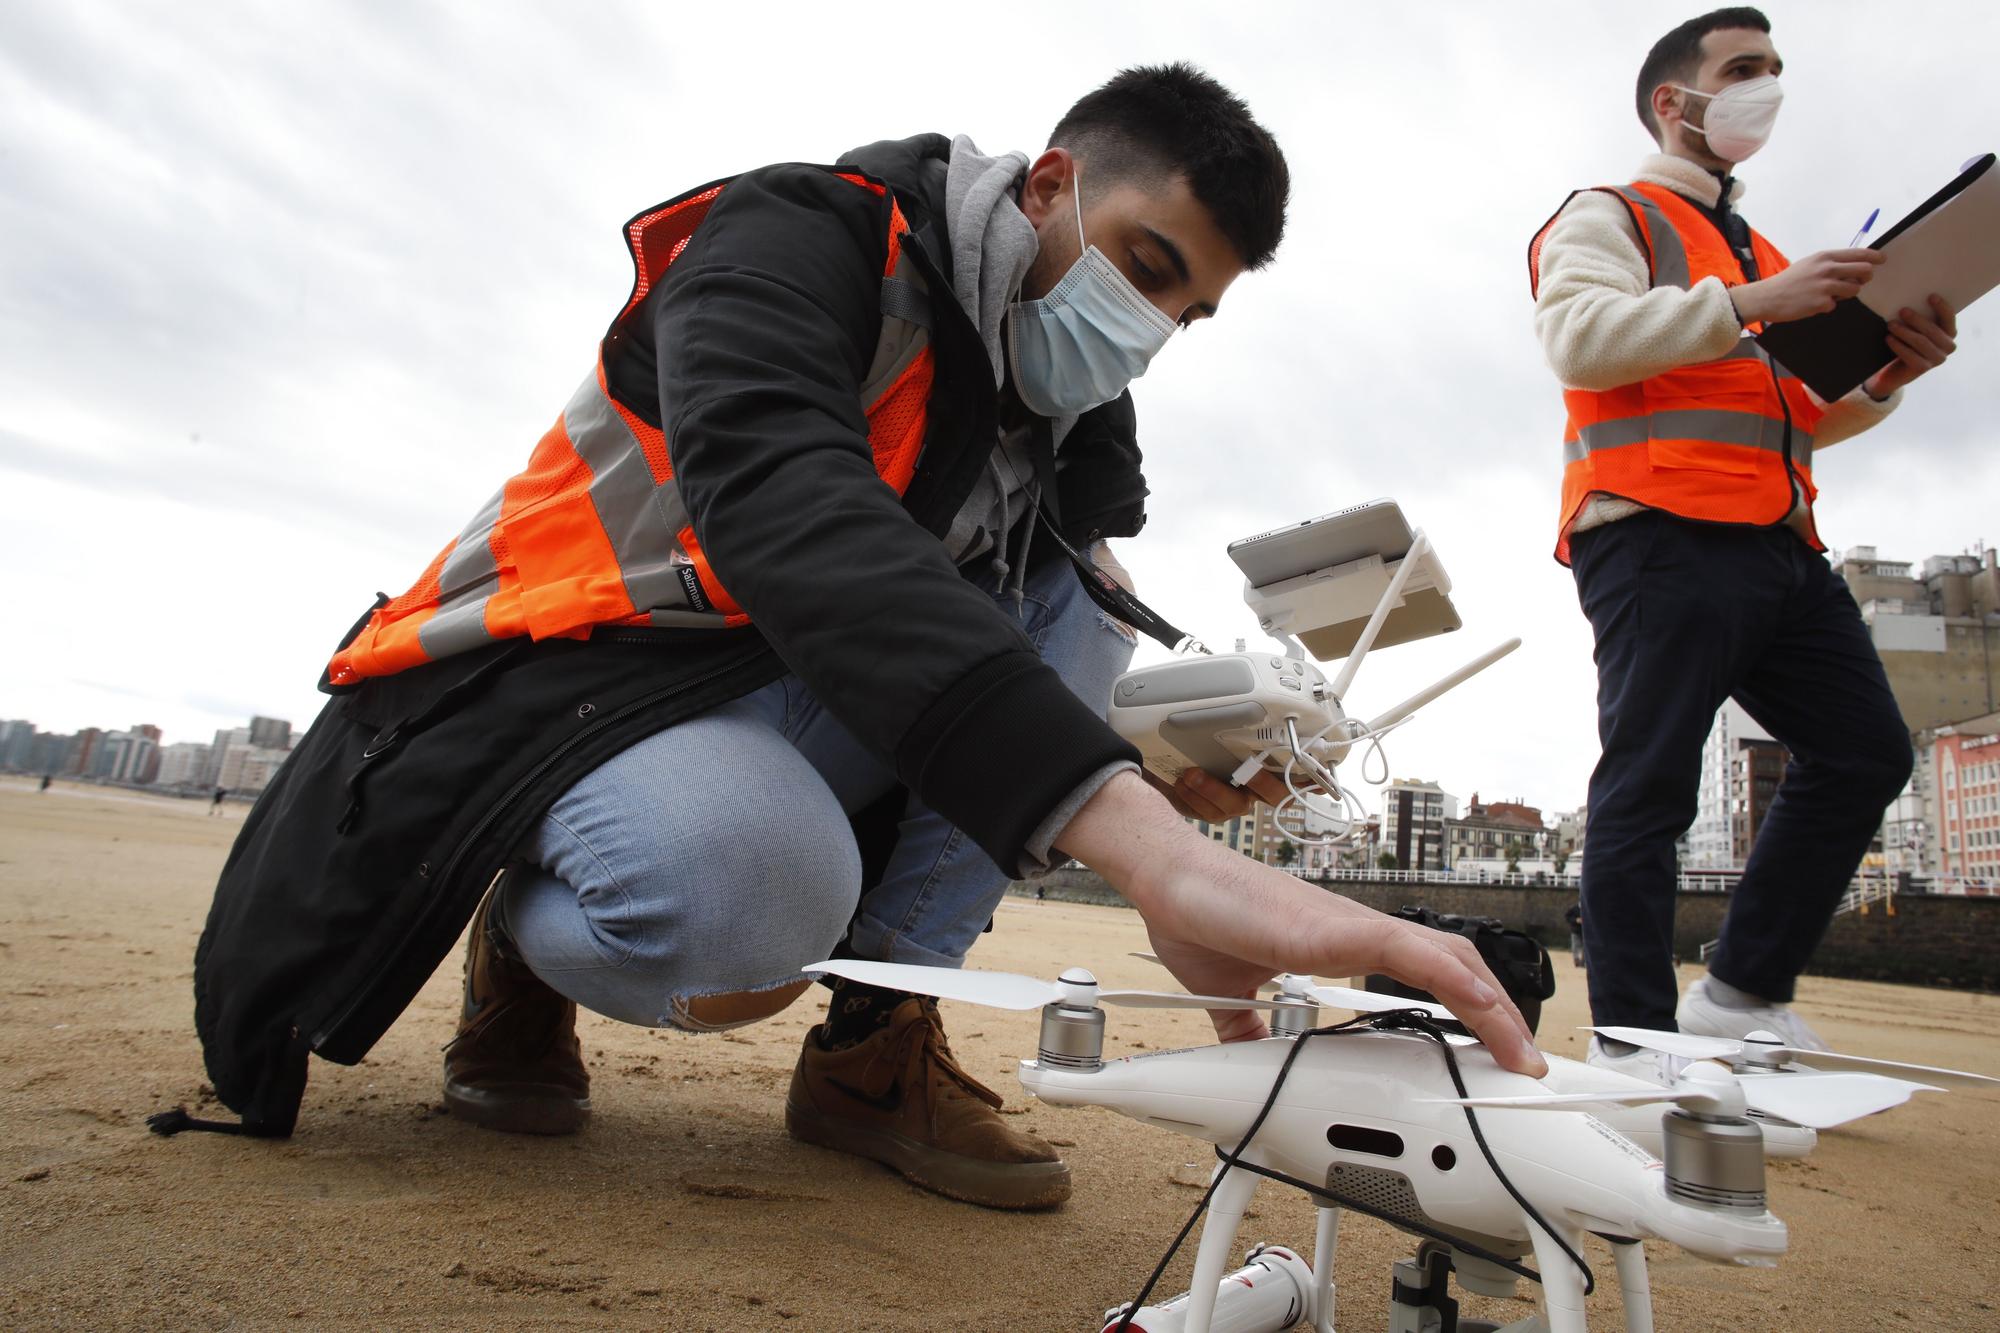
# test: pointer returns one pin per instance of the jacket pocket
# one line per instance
(1719, 416)
(1701, 456)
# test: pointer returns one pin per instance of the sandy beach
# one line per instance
(686, 1206)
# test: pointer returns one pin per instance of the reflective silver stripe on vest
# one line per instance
(471, 560)
(1670, 260)
(1709, 425)
(460, 626)
(466, 581)
(643, 520)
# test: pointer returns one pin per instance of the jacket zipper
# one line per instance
(328, 1030)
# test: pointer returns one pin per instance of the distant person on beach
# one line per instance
(46, 779)
(1573, 914)
(1687, 520)
(796, 636)
(215, 801)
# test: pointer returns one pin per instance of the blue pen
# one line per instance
(1862, 235)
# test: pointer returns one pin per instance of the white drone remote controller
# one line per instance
(1233, 714)
(1218, 713)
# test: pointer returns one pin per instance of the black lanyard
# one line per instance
(1110, 595)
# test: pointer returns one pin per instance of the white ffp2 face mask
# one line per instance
(1740, 117)
(1092, 335)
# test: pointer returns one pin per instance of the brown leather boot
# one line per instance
(901, 1099)
(515, 1064)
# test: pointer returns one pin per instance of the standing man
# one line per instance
(1687, 520)
(777, 647)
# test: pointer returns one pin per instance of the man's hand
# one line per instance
(1200, 795)
(1223, 924)
(1921, 342)
(1809, 287)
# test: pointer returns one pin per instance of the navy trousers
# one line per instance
(1685, 616)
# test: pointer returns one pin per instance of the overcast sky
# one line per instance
(286, 291)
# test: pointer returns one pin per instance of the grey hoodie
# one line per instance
(992, 246)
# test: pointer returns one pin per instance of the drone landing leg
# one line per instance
(1562, 1285)
(1218, 1240)
(1325, 1238)
(1633, 1283)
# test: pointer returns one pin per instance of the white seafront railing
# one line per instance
(1867, 887)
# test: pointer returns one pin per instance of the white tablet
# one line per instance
(1297, 568)
(1375, 528)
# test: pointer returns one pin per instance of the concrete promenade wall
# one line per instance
(1927, 941)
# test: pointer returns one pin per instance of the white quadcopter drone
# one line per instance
(1233, 714)
(1378, 1116)
(1757, 1056)
(1398, 1114)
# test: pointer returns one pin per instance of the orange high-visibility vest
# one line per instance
(1723, 441)
(594, 532)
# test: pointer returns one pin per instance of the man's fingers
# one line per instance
(1947, 317)
(1194, 807)
(1915, 351)
(1469, 991)
(1204, 789)
(1475, 962)
(1238, 1025)
(1185, 799)
(1927, 331)
(1860, 254)
(1269, 787)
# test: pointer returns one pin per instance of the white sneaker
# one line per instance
(1700, 1015)
(1642, 1064)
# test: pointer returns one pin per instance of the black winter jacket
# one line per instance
(364, 859)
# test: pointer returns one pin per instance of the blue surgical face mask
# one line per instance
(1092, 335)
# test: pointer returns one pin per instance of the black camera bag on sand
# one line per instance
(1520, 963)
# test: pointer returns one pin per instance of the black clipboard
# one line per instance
(1836, 352)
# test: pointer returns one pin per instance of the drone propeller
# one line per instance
(1011, 990)
(1775, 1052)
(1818, 1101)
(1373, 1002)
(1339, 997)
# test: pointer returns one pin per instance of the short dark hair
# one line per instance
(1676, 57)
(1156, 121)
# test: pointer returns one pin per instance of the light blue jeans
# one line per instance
(716, 857)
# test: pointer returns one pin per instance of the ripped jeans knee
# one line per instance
(732, 1009)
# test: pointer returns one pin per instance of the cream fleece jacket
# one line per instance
(1603, 324)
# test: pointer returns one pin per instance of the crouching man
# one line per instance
(777, 646)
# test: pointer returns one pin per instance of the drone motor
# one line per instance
(1072, 1037)
(1714, 1161)
(1299, 1008)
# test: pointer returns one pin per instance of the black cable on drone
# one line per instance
(1422, 1023)
(1409, 1020)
